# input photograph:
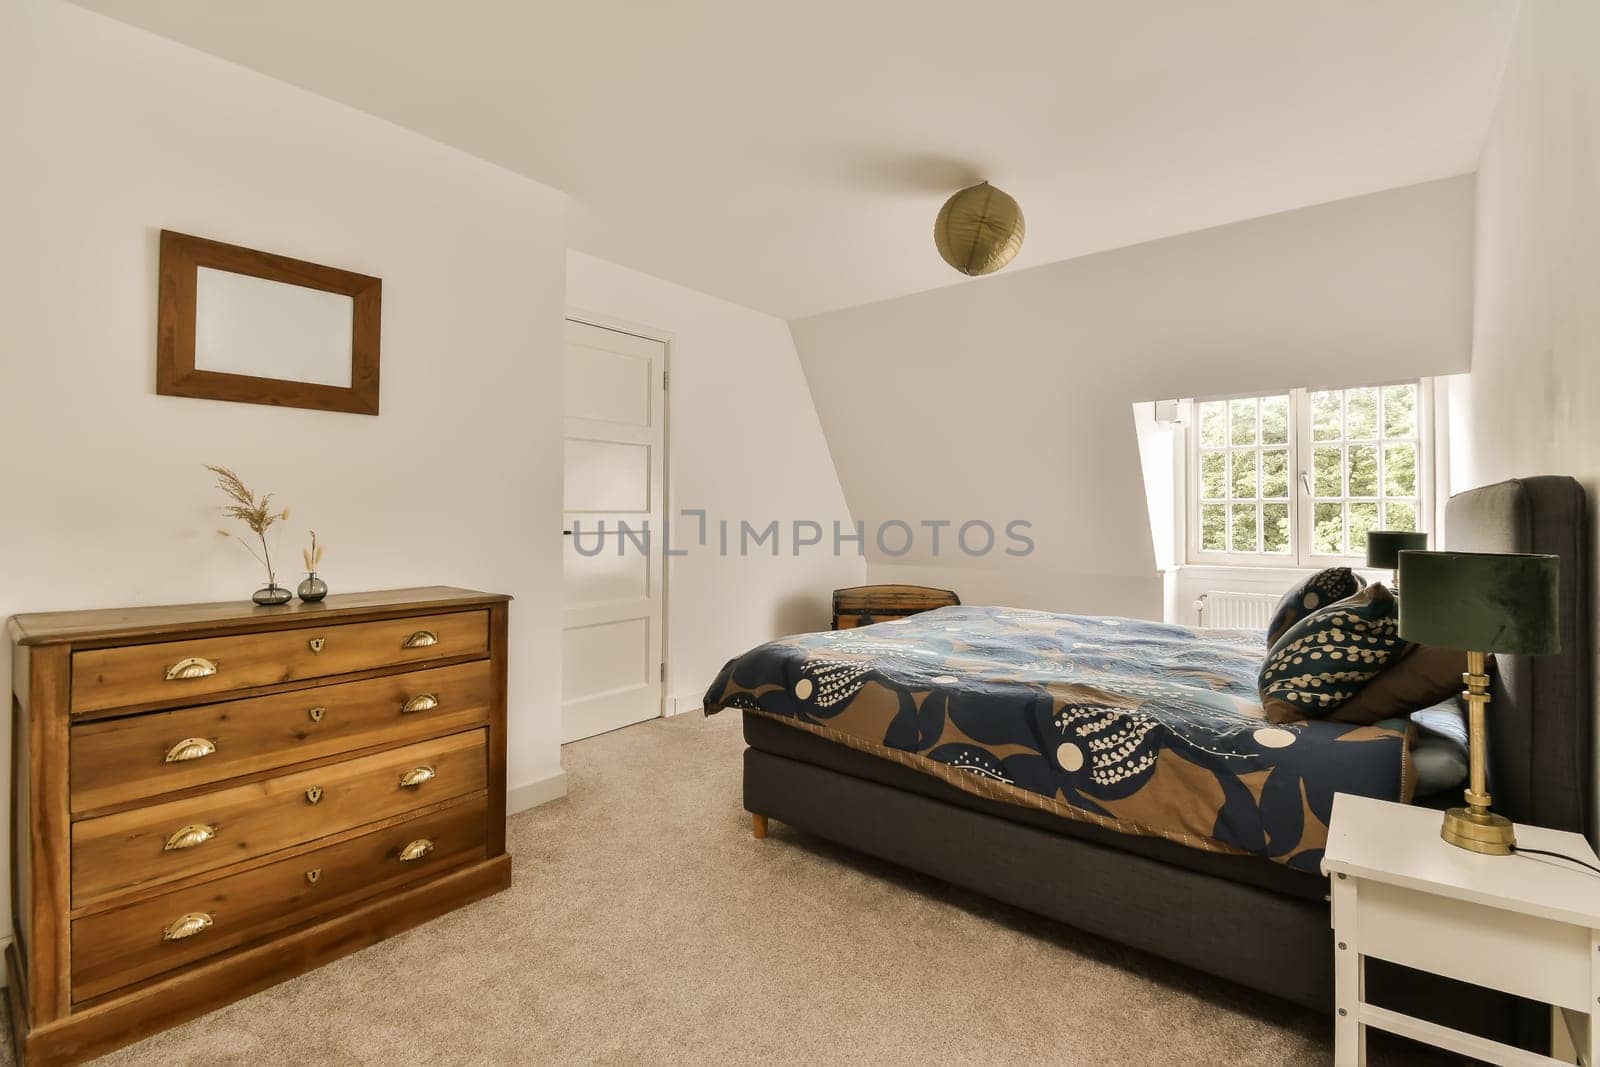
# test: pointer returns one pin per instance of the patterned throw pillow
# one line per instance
(1318, 591)
(1327, 657)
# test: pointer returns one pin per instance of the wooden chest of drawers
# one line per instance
(212, 798)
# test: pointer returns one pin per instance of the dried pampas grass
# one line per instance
(257, 514)
(312, 555)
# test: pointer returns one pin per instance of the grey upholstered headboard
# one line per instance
(1541, 763)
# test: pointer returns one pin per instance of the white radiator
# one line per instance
(1221, 610)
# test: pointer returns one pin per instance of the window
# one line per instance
(1298, 478)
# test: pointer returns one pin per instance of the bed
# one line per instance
(1184, 825)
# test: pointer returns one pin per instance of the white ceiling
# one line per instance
(791, 156)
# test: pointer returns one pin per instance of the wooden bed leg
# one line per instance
(758, 824)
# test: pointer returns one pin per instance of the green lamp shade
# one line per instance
(1480, 601)
(1384, 547)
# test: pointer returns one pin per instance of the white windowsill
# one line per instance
(1235, 572)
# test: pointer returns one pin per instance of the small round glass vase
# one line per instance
(271, 595)
(312, 589)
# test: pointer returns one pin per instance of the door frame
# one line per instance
(668, 341)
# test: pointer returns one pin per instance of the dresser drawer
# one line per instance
(183, 670)
(184, 837)
(125, 945)
(118, 760)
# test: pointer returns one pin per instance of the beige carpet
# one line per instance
(646, 924)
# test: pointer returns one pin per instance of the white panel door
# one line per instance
(611, 579)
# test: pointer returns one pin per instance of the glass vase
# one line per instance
(271, 595)
(312, 589)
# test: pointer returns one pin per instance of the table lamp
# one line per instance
(1384, 547)
(1479, 603)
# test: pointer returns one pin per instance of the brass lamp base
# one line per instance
(1479, 831)
(1474, 827)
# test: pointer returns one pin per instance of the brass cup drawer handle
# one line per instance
(193, 667)
(186, 926)
(416, 850)
(420, 702)
(191, 748)
(191, 836)
(414, 778)
(420, 639)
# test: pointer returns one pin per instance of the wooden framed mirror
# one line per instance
(236, 324)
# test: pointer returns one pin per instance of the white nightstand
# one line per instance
(1528, 925)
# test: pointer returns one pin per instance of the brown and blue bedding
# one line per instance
(1142, 727)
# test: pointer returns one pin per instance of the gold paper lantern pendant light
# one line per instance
(979, 230)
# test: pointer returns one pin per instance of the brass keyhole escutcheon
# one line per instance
(317, 643)
(317, 714)
(313, 874)
(314, 794)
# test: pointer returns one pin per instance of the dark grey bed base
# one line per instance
(1256, 934)
(1178, 914)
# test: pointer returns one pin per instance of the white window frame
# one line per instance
(1301, 452)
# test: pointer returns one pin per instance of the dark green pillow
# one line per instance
(1318, 591)
(1329, 656)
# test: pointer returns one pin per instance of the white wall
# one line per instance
(743, 443)
(458, 481)
(1532, 405)
(1009, 397)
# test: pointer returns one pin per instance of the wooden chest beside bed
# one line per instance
(209, 799)
(862, 605)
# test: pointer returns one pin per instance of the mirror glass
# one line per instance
(266, 329)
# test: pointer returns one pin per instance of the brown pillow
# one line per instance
(1421, 678)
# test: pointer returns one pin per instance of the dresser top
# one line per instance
(146, 623)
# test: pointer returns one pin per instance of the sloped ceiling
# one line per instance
(1011, 399)
(791, 157)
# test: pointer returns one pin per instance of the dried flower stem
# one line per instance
(255, 514)
(312, 555)
(272, 578)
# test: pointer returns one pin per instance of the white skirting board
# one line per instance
(539, 791)
(685, 703)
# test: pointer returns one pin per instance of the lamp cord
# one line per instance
(1555, 855)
